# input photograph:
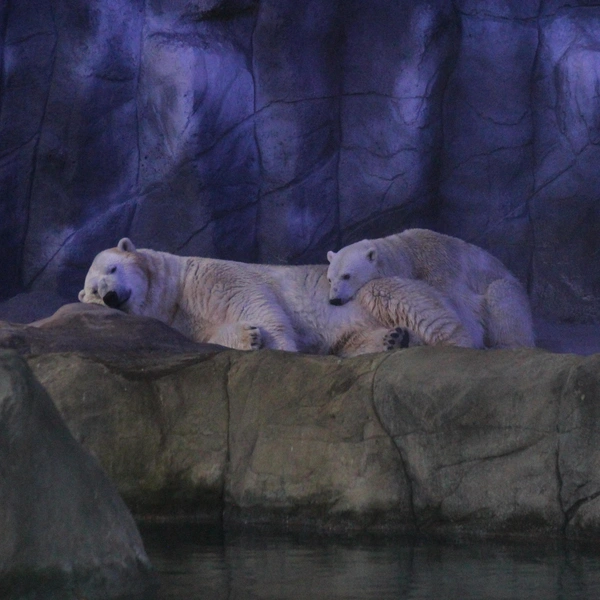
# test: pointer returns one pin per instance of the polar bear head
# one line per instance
(117, 279)
(349, 269)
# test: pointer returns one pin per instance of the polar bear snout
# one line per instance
(111, 299)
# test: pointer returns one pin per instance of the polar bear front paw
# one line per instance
(396, 338)
(240, 336)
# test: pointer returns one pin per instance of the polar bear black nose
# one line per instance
(336, 301)
(111, 299)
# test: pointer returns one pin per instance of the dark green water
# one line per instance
(195, 562)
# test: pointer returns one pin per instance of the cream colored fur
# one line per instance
(418, 306)
(249, 306)
(490, 302)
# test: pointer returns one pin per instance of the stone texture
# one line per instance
(433, 440)
(394, 81)
(565, 281)
(579, 455)
(158, 429)
(273, 131)
(64, 527)
(479, 439)
(311, 446)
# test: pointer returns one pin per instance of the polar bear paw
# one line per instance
(240, 336)
(251, 338)
(396, 338)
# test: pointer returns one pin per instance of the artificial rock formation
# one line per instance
(64, 526)
(273, 131)
(434, 440)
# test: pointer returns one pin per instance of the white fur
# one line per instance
(247, 306)
(491, 303)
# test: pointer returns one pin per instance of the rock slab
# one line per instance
(434, 440)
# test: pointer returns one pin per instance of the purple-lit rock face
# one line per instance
(275, 130)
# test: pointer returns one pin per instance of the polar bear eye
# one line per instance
(346, 276)
(112, 270)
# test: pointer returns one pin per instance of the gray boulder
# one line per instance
(479, 438)
(65, 530)
(101, 331)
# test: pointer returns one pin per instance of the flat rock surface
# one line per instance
(434, 440)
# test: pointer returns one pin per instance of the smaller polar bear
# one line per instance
(490, 301)
(249, 306)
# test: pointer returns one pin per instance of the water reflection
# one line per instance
(203, 563)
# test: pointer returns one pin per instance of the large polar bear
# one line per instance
(490, 301)
(249, 306)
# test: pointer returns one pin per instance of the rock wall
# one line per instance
(272, 130)
(500, 443)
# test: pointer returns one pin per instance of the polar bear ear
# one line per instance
(81, 295)
(371, 254)
(330, 255)
(126, 245)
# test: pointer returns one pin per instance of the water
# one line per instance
(196, 562)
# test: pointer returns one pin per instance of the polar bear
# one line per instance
(490, 301)
(248, 306)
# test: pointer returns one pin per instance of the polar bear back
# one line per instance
(441, 260)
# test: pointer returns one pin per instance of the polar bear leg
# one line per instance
(278, 338)
(416, 306)
(470, 308)
(241, 336)
(508, 316)
(244, 336)
(367, 341)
